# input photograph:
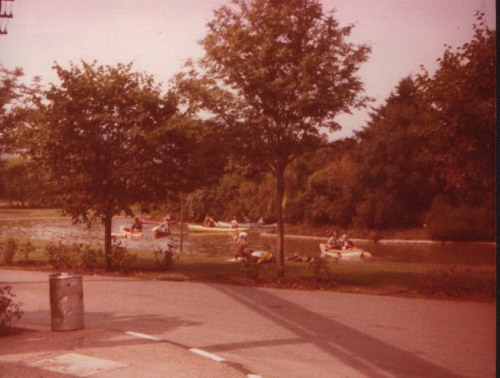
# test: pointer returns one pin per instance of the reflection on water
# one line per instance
(61, 229)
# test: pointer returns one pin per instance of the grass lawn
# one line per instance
(368, 277)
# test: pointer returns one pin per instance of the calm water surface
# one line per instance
(61, 229)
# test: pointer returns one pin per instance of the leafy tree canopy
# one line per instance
(277, 73)
(461, 126)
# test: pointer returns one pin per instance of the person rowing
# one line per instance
(209, 221)
(334, 242)
(137, 226)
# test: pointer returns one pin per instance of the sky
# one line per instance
(158, 36)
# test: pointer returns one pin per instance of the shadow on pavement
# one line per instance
(367, 354)
(137, 323)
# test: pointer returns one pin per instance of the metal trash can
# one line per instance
(66, 302)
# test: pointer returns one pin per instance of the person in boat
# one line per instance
(209, 221)
(137, 226)
(346, 243)
(233, 223)
(165, 226)
(334, 242)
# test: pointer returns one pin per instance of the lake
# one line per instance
(61, 229)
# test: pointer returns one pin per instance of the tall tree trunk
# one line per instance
(108, 219)
(182, 222)
(280, 193)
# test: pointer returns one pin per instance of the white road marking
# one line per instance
(142, 336)
(207, 354)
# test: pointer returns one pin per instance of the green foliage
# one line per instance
(452, 283)
(461, 126)
(121, 259)
(397, 187)
(9, 310)
(277, 74)
(10, 93)
(73, 257)
(331, 193)
(26, 249)
(235, 194)
(323, 272)
(106, 155)
(24, 185)
(8, 250)
(461, 222)
(166, 257)
(62, 256)
(105, 137)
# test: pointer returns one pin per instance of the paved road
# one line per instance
(280, 333)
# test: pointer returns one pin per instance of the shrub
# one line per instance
(165, 258)
(91, 258)
(26, 249)
(120, 259)
(448, 222)
(8, 309)
(8, 250)
(322, 271)
(62, 256)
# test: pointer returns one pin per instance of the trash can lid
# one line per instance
(63, 275)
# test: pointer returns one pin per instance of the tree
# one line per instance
(10, 93)
(398, 185)
(276, 73)
(461, 125)
(104, 135)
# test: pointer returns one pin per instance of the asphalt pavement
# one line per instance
(146, 328)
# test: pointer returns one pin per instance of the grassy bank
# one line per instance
(368, 277)
(28, 213)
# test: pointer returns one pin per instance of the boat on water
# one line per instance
(127, 233)
(354, 254)
(161, 234)
(152, 221)
(201, 228)
(249, 225)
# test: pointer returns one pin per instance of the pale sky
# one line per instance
(159, 35)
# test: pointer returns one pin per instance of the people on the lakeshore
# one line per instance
(334, 242)
(346, 243)
(209, 221)
(242, 248)
(233, 223)
(137, 226)
(260, 222)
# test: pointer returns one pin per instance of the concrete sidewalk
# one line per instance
(101, 353)
(152, 328)
(94, 351)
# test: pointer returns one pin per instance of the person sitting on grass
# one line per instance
(242, 249)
